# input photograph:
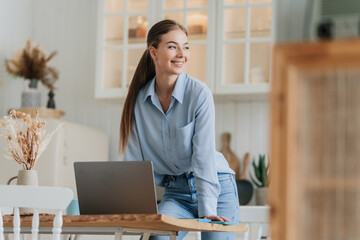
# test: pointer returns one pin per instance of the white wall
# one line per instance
(292, 20)
(70, 28)
(15, 28)
(248, 124)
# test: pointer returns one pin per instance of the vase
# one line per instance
(25, 177)
(51, 102)
(31, 96)
(261, 196)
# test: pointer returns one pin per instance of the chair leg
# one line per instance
(77, 237)
(58, 221)
(67, 236)
(1, 227)
(255, 231)
(118, 235)
(172, 236)
(146, 236)
(35, 225)
(16, 222)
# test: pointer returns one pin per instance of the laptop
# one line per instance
(115, 187)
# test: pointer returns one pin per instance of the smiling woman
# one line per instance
(172, 53)
(168, 118)
(170, 58)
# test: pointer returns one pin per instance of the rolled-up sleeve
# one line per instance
(204, 156)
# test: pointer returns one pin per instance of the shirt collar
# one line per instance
(178, 92)
(179, 89)
(150, 90)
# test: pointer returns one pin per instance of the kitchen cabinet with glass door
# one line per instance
(230, 42)
(244, 39)
(121, 40)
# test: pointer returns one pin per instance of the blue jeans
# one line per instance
(180, 201)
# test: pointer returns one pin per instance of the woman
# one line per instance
(168, 118)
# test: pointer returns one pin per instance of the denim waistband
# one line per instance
(184, 175)
(189, 175)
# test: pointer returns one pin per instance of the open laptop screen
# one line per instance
(115, 187)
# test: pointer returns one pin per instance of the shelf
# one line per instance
(43, 112)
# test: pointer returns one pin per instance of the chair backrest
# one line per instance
(36, 198)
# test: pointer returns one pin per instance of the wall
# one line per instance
(247, 121)
(15, 28)
(70, 28)
(292, 20)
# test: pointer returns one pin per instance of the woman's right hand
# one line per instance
(217, 218)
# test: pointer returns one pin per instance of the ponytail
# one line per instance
(144, 72)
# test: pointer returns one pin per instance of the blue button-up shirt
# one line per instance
(180, 140)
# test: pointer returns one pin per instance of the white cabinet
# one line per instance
(230, 42)
(244, 39)
(197, 16)
(121, 40)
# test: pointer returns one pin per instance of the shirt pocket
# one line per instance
(183, 140)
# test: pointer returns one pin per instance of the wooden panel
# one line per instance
(224, 122)
(329, 126)
(243, 131)
(248, 124)
(265, 127)
(256, 125)
(315, 135)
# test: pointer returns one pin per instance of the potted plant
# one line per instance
(27, 140)
(31, 64)
(261, 179)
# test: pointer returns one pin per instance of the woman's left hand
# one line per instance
(217, 218)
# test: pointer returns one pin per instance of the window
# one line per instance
(230, 42)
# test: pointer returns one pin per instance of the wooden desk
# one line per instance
(121, 224)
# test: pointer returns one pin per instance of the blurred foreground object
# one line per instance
(315, 136)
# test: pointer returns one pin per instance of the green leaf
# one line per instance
(261, 168)
(256, 170)
(254, 181)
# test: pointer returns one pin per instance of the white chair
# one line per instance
(37, 198)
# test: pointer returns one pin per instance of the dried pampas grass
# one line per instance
(26, 138)
(31, 63)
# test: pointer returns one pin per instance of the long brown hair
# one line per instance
(144, 72)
